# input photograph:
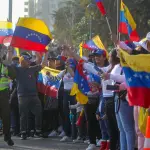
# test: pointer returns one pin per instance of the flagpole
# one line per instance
(118, 19)
(109, 27)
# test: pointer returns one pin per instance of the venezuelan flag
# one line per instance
(80, 86)
(127, 24)
(47, 85)
(101, 7)
(31, 34)
(137, 72)
(5, 30)
(95, 44)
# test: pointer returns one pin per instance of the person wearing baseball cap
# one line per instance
(100, 57)
(26, 77)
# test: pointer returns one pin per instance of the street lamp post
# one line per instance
(10, 11)
(91, 8)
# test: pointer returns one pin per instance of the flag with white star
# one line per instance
(83, 84)
(137, 72)
(5, 30)
(31, 34)
(49, 86)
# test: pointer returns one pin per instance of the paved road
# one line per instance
(41, 144)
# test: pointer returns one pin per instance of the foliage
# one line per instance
(72, 21)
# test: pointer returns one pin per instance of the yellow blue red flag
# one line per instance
(5, 30)
(137, 72)
(95, 44)
(83, 84)
(31, 34)
(127, 24)
(46, 85)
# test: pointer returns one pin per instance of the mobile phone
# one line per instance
(112, 87)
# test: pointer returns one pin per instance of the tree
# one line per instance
(72, 21)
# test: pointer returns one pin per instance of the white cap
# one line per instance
(136, 43)
(84, 58)
(148, 36)
(123, 45)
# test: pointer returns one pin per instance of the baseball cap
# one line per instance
(99, 53)
(26, 55)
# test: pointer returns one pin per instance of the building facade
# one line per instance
(42, 9)
(26, 8)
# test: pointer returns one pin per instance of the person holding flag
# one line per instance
(27, 91)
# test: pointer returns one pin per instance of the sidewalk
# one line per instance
(41, 144)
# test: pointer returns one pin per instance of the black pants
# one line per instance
(15, 120)
(112, 123)
(5, 111)
(33, 104)
(50, 120)
(82, 128)
(68, 128)
(31, 122)
(15, 117)
(92, 123)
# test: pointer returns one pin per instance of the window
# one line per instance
(26, 3)
(26, 10)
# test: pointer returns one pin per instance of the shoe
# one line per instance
(8, 140)
(91, 147)
(23, 136)
(60, 129)
(108, 145)
(45, 135)
(62, 134)
(98, 144)
(87, 142)
(31, 133)
(103, 145)
(64, 139)
(78, 140)
(53, 133)
(38, 135)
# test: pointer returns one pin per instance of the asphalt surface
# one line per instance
(41, 144)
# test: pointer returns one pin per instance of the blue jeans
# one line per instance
(69, 128)
(104, 129)
(125, 121)
(103, 123)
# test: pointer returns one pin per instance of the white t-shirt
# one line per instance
(116, 74)
(107, 93)
(68, 81)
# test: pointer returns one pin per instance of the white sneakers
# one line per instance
(78, 140)
(64, 139)
(62, 134)
(60, 129)
(53, 133)
(98, 144)
(91, 147)
(87, 142)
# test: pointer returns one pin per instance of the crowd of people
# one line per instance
(106, 120)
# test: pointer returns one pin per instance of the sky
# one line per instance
(18, 10)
